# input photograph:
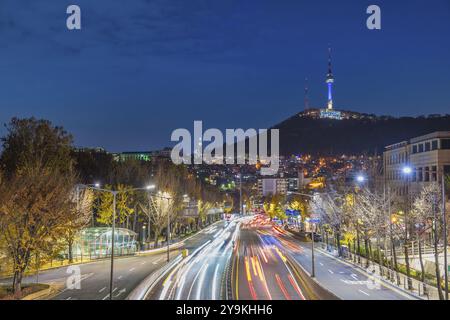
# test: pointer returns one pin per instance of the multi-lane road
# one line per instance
(129, 272)
(247, 258)
(263, 269)
(202, 274)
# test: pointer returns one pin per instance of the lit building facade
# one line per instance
(427, 155)
(271, 186)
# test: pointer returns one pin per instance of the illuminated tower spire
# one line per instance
(330, 81)
(306, 94)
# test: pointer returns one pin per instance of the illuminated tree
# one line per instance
(426, 206)
(123, 204)
(36, 211)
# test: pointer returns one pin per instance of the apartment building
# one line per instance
(428, 156)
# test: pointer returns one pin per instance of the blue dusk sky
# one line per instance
(139, 69)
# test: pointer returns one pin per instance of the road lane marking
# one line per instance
(101, 290)
(354, 276)
(157, 260)
(193, 283)
(132, 269)
(330, 271)
(321, 264)
(120, 292)
(143, 262)
(69, 298)
(119, 277)
(201, 280)
(363, 292)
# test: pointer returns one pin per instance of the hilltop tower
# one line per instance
(306, 94)
(329, 81)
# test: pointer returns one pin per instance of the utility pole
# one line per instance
(168, 231)
(111, 279)
(240, 191)
(313, 271)
(444, 222)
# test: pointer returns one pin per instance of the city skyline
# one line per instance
(133, 75)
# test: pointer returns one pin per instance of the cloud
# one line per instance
(195, 29)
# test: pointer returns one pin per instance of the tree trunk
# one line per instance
(70, 244)
(17, 284)
(338, 243)
(422, 269)
(359, 244)
(379, 258)
(156, 238)
(408, 269)
(366, 248)
(436, 261)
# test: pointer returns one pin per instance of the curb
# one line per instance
(378, 278)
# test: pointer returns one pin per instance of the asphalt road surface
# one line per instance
(345, 281)
(200, 276)
(129, 272)
(262, 270)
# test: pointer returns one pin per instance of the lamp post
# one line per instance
(360, 180)
(407, 172)
(444, 222)
(96, 187)
(240, 191)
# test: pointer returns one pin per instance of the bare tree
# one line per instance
(426, 207)
(370, 210)
(82, 207)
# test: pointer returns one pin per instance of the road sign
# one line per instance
(313, 220)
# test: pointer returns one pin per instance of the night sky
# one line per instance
(139, 69)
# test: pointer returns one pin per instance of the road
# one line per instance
(201, 275)
(262, 270)
(129, 272)
(344, 280)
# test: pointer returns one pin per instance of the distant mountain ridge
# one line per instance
(360, 133)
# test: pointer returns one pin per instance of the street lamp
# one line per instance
(360, 178)
(96, 187)
(444, 222)
(407, 172)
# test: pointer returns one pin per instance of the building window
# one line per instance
(414, 149)
(434, 145)
(427, 174)
(421, 147)
(433, 173)
(420, 175)
(427, 146)
(447, 170)
(445, 143)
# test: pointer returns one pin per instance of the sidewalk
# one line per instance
(399, 280)
(55, 264)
